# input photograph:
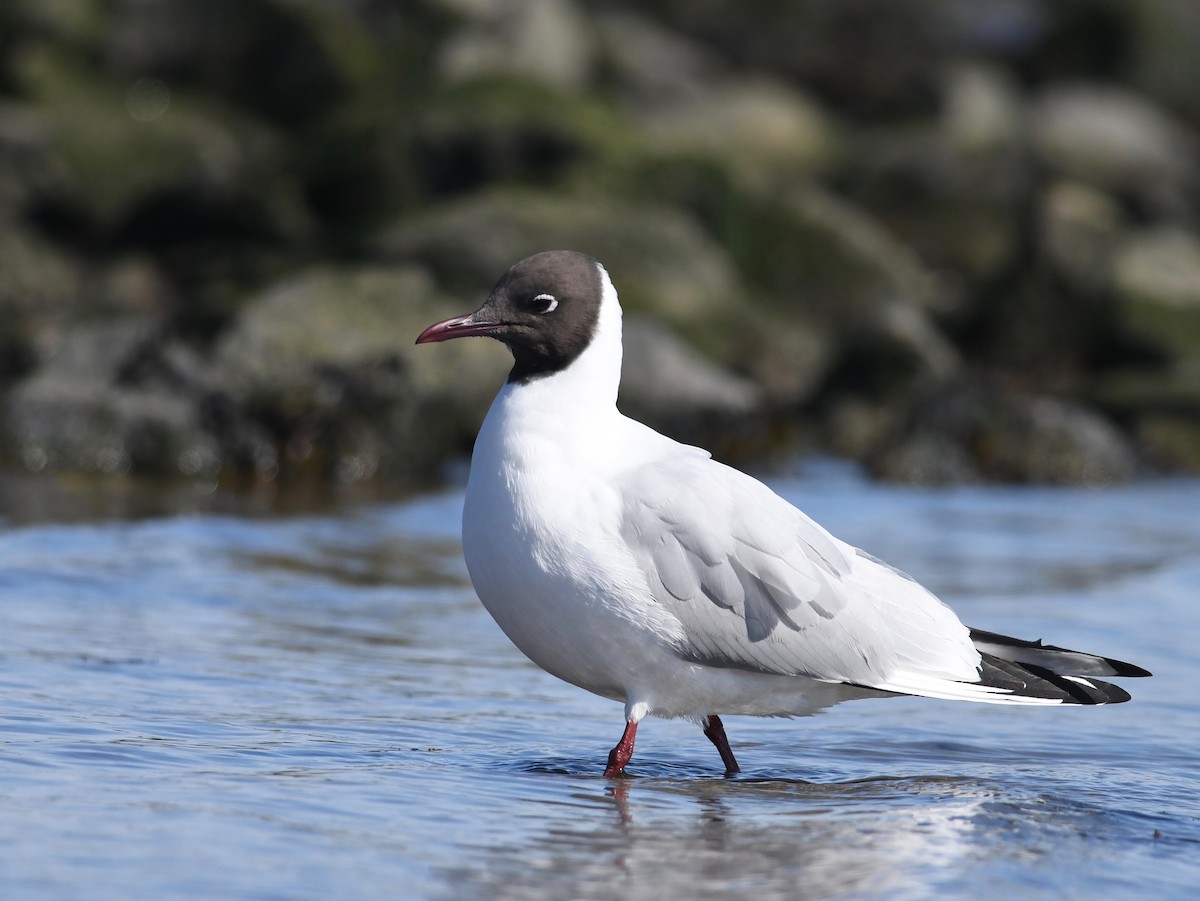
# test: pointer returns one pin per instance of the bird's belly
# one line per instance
(701, 690)
(579, 616)
(567, 629)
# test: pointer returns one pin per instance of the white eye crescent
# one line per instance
(550, 301)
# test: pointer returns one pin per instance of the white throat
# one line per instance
(566, 419)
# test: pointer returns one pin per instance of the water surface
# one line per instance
(303, 706)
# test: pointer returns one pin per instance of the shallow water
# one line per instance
(304, 706)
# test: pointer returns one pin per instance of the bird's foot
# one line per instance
(619, 756)
(714, 731)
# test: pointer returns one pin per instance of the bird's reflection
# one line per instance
(670, 838)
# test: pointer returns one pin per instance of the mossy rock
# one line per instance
(1134, 391)
(1118, 140)
(1078, 231)
(40, 289)
(325, 362)
(1171, 442)
(763, 130)
(823, 263)
(550, 41)
(959, 206)
(876, 57)
(1157, 281)
(1165, 63)
(279, 61)
(651, 67)
(79, 413)
(809, 243)
(982, 431)
(120, 148)
(509, 131)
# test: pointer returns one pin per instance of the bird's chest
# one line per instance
(542, 547)
(530, 532)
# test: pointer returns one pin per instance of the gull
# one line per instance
(642, 570)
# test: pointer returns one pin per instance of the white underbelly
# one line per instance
(565, 626)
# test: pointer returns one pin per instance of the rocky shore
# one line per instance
(957, 240)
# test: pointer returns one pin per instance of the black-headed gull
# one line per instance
(642, 570)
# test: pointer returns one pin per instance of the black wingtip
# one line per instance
(1052, 657)
(1127, 669)
(1028, 680)
(1080, 690)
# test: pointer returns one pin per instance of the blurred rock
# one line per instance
(856, 427)
(820, 259)
(133, 285)
(1157, 275)
(963, 214)
(788, 354)
(982, 111)
(124, 160)
(667, 384)
(39, 290)
(980, 432)
(1169, 391)
(824, 206)
(508, 131)
(1165, 63)
(27, 169)
(76, 414)
(954, 188)
(1116, 139)
(1078, 229)
(763, 129)
(325, 360)
(1162, 404)
(1172, 442)
(218, 46)
(893, 46)
(653, 67)
(472, 10)
(545, 40)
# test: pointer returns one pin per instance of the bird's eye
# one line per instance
(544, 303)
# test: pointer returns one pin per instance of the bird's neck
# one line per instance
(574, 408)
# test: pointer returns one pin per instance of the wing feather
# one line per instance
(676, 571)
(757, 585)
(721, 585)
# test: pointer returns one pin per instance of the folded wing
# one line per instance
(757, 585)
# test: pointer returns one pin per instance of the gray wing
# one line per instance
(757, 585)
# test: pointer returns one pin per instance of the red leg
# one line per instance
(619, 756)
(714, 730)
